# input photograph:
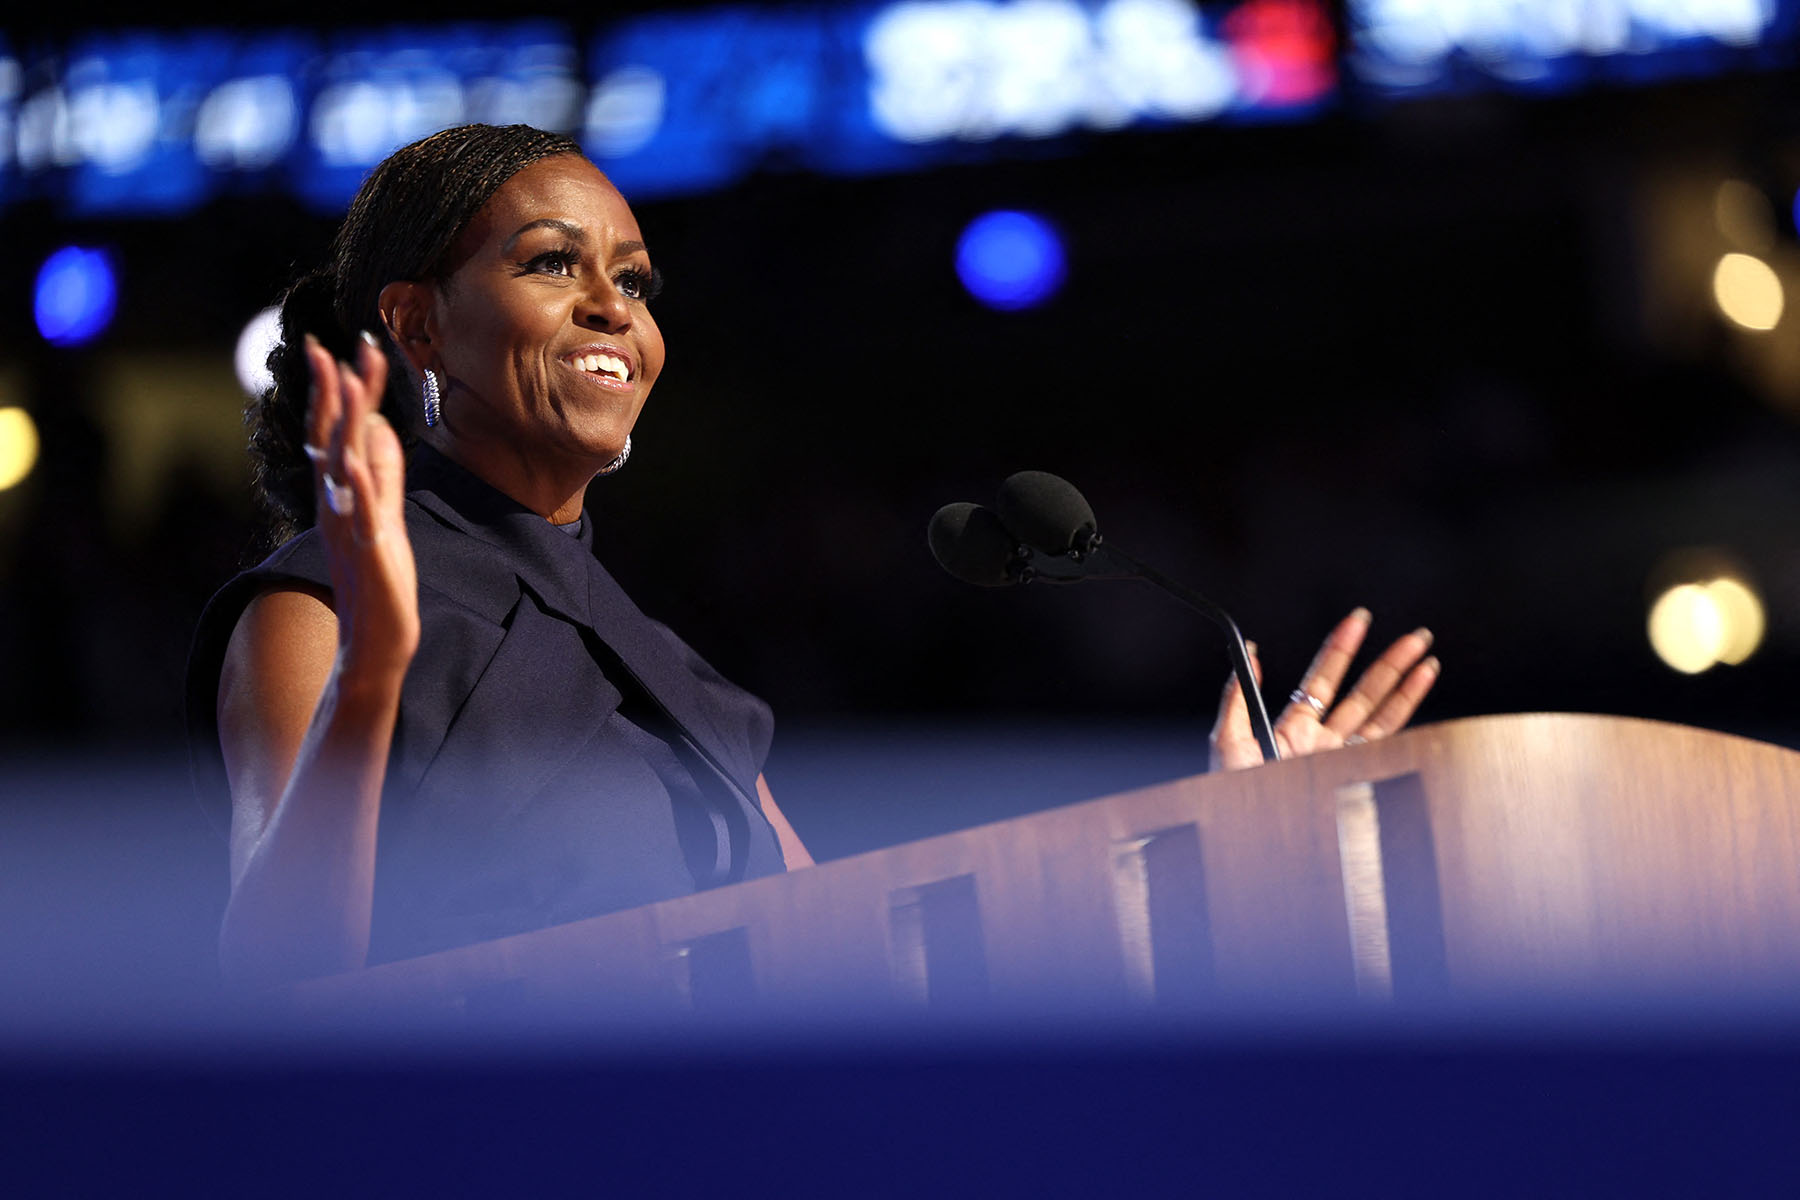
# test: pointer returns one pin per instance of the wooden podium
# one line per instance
(1529, 856)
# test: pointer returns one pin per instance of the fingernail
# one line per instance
(309, 341)
(1250, 646)
(370, 338)
(1424, 634)
(1433, 665)
(1362, 614)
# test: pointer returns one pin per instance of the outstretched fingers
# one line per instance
(357, 465)
(1319, 717)
(373, 473)
(360, 474)
(1395, 675)
(324, 423)
(1329, 666)
(1397, 709)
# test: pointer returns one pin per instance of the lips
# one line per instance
(609, 363)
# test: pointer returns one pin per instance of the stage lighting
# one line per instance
(247, 124)
(1696, 626)
(251, 358)
(1748, 292)
(1686, 629)
(75, 294)
(1010, 260)
(1741, 611)
(18, 446)
(625, 111)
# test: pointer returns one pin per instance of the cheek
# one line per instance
(654, 351)
(518, 338)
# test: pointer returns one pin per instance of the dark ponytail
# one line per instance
(401, 226)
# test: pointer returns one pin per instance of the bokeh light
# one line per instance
(1741, 610)
(18, 446)
(260, 335)
(1745, 216)
(76, 292)
(1685, 629)
(1010, 260)
(1748, 291)
(1696, 626)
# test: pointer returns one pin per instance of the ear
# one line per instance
(406, 309)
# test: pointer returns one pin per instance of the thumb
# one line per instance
(1234, 741)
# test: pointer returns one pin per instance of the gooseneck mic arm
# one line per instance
(1234, 637)
(1044, 530)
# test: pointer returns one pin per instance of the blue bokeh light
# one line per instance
(1010, 260)
(76, 293)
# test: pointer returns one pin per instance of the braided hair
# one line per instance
(402, 225)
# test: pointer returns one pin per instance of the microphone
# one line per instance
(1045, 529)
(1046, 512)
(970, 542)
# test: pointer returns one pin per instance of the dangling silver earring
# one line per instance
(434, 402)
(618, 462)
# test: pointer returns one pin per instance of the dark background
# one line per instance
(1453, 359)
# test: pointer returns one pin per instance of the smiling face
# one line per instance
(542, 334)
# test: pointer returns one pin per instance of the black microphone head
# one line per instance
(970, 542)
(1045, 511)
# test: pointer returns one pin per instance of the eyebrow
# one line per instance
(571, 230)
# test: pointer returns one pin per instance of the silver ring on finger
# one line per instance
(338, 496)
(1302, 696)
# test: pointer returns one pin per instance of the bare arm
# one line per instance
(792, 849)
(307, 702)
(305, 748)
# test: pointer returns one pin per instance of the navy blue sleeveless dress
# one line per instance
(558, 754)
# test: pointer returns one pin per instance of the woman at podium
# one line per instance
(437, 718)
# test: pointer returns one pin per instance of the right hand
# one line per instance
(359, 480)
(1382, 702)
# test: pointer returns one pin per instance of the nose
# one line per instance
(605, 307)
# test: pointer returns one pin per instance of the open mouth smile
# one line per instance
(605, 363)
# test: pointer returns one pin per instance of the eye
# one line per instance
(552, 262)
(636, 283)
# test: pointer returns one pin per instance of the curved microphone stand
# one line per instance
(1093, 558)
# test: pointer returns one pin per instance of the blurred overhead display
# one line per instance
(672, 103)
(1418, 46)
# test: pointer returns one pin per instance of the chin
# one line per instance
(603, 451)
(601, 439)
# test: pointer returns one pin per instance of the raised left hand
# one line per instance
(1382, 701)
(359, 480)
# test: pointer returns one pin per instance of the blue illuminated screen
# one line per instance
(670, 103)
(683, 102)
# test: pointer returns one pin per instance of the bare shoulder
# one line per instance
(285, 634)
(276, 666)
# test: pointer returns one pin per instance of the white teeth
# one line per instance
(604, 362)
